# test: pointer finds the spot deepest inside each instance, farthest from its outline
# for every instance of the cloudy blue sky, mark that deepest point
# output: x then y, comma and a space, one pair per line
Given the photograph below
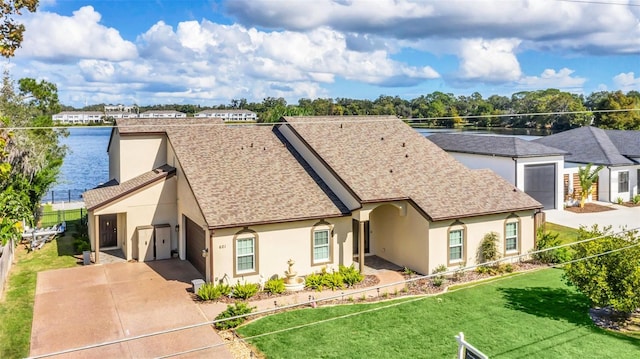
209, 52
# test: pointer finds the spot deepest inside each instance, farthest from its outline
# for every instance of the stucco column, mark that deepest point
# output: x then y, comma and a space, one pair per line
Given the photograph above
96, 234
361, 246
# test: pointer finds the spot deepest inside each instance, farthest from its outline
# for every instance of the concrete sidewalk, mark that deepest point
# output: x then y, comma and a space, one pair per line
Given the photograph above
618, 218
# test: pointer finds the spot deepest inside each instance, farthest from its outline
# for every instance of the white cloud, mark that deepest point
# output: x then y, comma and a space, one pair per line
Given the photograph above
57, 38
550, 24
627, 81
561, 79
489, 60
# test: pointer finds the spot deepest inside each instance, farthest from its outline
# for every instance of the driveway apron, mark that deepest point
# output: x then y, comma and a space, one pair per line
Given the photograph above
84, 306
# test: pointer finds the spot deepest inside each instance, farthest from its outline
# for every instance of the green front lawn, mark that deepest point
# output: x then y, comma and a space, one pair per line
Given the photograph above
565, 234
16, 309
533, 315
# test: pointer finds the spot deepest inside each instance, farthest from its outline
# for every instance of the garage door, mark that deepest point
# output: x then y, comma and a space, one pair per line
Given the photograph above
195, 245
540, 183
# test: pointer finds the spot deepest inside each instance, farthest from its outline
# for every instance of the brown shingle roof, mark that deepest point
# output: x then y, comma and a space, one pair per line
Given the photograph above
382, 158
160, 125
246, 175
105, 194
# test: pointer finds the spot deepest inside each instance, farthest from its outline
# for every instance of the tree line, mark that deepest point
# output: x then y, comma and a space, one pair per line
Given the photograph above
541, 109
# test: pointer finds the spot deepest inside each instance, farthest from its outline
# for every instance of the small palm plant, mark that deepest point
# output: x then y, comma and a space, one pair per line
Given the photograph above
587, 177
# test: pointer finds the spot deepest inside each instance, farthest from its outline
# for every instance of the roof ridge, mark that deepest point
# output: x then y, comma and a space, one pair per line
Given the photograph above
600, 135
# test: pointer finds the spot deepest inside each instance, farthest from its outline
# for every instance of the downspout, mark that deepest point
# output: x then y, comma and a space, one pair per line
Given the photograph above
610, 184
210, 253
515, 160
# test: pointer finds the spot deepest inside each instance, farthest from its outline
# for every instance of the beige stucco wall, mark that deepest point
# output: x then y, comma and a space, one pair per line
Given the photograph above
140, 154
399, 234
277, 243
114, 155
152, 205
476, 228
186, 205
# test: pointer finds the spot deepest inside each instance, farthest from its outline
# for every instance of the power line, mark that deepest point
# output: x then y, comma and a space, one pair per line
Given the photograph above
340, 296
347, 119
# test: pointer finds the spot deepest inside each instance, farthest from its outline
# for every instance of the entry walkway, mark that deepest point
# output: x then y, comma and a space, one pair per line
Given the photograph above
618, 218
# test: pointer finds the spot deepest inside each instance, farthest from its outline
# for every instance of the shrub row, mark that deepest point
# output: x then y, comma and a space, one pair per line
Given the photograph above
344, 277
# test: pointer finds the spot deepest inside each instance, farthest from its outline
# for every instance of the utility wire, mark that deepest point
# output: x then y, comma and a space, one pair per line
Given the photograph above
340, 296
343, 119
318, 322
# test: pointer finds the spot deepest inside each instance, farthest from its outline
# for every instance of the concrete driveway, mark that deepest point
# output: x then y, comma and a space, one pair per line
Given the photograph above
618, 218
82, 306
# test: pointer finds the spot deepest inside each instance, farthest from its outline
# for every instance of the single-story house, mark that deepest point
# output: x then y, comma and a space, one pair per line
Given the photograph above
239, 201
533, 168
617, 150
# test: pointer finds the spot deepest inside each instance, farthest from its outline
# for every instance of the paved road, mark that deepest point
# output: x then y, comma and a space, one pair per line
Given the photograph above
618, 218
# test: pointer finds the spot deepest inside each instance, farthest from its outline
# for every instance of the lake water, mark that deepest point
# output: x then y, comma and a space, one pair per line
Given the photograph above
85, 166
87, 163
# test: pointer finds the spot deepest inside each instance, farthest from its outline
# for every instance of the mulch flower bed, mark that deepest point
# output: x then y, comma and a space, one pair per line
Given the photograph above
590, 208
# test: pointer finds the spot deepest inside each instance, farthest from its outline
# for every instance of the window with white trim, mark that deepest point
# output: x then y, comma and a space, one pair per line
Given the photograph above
245, 255
511, 237
623, 182
321, 246
456, 243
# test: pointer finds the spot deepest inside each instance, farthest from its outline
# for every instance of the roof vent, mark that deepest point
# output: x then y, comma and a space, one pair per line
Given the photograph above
402, 144
406, 156
242, 147
381, 138
391, 171
340, 125
251, 144
264, 148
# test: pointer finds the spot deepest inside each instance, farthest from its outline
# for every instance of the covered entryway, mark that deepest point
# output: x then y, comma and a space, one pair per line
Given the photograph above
195, 244
540, 183
108, 230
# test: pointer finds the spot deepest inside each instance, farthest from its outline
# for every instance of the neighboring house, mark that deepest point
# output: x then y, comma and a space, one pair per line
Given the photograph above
112, 115
240, 201
534, 168
229, 115
162, 114
618, 151
78, 117
121, 108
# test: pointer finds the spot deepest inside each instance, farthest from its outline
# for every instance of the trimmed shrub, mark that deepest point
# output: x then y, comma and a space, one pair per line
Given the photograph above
333, 280
244, 291
439, 279
488, 251
350, 275
314, 281
237, 309
274, 286
636, 199
211, 291
547, 240
81, 244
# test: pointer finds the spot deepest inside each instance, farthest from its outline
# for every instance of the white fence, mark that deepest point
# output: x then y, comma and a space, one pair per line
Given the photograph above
468, 351
5, 264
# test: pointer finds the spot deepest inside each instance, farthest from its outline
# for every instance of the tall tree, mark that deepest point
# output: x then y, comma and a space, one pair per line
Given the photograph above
12, 32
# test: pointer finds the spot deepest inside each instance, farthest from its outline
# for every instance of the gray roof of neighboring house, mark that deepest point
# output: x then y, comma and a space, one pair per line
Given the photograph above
247, 175
626, 141
382, 159
590, 145
505, 146
111, 190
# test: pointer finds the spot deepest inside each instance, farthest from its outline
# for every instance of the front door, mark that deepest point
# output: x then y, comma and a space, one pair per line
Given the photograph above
108, 230
356, 237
